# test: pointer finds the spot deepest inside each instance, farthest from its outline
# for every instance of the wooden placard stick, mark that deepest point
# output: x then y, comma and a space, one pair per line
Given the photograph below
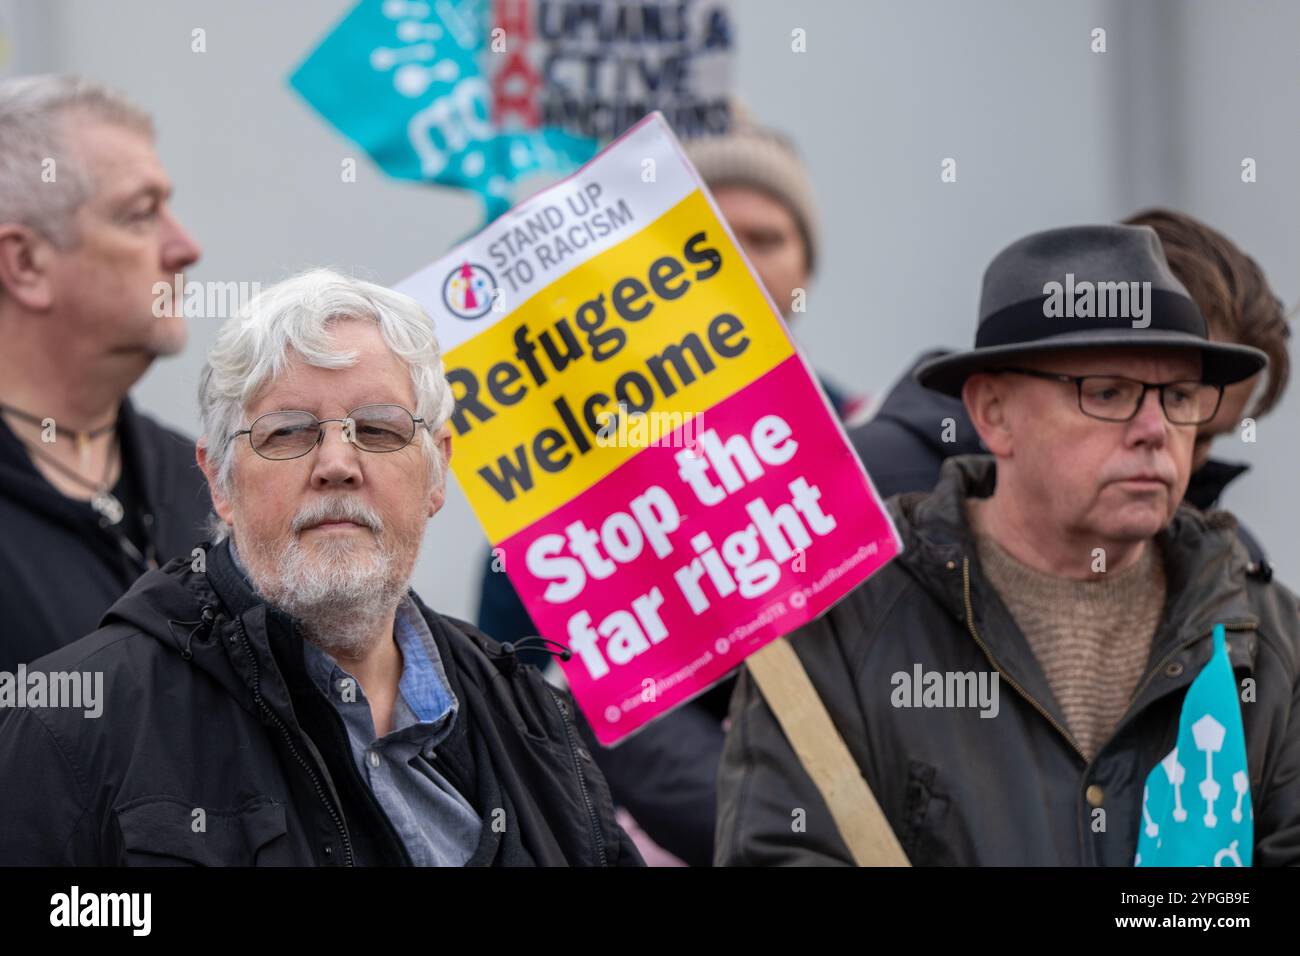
819, 746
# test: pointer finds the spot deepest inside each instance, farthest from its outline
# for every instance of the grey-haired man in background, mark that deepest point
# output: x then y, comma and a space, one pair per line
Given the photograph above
92, 493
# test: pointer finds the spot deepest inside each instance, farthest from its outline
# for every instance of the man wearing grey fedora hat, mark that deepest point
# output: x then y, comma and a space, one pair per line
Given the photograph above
1060, 577
914, 428
1087, 287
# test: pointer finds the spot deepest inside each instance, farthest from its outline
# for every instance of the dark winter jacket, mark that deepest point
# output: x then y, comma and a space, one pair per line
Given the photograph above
209, 707
60, 566
1013, 789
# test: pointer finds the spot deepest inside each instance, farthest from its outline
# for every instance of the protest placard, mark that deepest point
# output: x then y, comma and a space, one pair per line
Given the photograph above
665, 483
483, 94
594, 69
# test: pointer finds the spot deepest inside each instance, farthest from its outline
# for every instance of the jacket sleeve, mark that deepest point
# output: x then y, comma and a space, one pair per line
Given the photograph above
769, 811
1277, 804
44, 820
1277, 809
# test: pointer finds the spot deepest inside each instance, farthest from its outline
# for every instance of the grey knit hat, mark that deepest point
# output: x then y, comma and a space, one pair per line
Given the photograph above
751, 155
1086, 287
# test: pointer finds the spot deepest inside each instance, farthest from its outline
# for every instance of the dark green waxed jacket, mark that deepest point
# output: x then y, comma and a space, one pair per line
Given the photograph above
1015, 789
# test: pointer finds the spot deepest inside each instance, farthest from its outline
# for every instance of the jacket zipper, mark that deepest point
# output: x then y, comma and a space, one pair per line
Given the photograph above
970, 625
293, 747
582, 779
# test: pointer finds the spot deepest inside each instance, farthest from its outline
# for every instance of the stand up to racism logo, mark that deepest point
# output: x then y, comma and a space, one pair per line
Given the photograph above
469, 291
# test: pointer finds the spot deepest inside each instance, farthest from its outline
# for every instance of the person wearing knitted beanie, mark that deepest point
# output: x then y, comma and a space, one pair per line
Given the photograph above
753, 161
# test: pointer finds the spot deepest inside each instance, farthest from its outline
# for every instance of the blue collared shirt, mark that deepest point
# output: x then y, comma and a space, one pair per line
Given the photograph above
435, 822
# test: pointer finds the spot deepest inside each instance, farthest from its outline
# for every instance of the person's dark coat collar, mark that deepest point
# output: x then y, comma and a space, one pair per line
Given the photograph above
1206, 485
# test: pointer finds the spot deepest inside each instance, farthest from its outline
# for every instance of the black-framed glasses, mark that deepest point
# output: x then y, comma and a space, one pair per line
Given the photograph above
1115, 398
292, 433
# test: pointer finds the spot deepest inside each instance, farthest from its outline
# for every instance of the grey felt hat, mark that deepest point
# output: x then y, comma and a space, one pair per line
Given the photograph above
1086, 287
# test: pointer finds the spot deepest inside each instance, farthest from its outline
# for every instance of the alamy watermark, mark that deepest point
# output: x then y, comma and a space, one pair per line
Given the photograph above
80, 690
75, 908
625, 429
1098, 300
202, 300
949, 689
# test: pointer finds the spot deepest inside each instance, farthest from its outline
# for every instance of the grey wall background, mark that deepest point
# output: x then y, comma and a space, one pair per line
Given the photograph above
1044, 132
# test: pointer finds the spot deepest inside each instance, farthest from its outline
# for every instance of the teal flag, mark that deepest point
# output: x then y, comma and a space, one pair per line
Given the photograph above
405, 80
1196, 807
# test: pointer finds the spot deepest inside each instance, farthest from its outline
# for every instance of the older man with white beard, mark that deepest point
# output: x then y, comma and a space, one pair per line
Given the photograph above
285, 684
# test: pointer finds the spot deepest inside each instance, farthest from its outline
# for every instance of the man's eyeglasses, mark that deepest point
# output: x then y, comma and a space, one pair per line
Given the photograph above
1114, 398
291, 434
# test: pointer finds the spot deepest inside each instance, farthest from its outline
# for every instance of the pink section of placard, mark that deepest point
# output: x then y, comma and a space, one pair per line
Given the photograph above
641, 653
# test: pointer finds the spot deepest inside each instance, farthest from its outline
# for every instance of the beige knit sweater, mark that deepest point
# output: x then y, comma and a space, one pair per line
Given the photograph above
1092, 638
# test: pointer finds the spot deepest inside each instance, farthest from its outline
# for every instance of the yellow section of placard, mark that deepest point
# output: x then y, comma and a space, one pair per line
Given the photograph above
668, 322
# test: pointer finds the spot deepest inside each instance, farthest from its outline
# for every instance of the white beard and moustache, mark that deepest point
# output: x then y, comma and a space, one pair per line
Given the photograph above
338, 588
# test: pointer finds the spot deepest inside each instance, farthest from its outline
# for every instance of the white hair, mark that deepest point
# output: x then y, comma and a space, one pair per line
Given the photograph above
252, 350
35, 117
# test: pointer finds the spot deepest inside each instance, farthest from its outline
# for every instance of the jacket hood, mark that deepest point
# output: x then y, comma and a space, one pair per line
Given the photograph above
1205, 563
211, 618
173, 593
922, 411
